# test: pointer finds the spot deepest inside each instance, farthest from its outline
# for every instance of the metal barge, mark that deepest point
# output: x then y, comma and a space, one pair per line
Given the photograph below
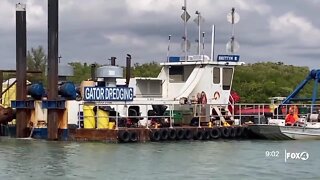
194, 90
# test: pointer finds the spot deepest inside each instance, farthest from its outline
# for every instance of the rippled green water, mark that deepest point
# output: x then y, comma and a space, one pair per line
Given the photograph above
34, 159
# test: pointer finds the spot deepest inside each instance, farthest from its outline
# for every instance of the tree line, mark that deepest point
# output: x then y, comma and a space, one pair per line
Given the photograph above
255, 83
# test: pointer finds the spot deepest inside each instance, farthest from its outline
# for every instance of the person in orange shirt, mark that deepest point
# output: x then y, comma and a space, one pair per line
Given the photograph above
291, 118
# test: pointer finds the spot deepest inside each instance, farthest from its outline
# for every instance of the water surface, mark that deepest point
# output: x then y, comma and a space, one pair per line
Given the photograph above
37, 159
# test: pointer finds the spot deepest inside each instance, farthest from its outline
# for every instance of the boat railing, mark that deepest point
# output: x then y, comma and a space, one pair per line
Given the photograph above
201, 114
118, 117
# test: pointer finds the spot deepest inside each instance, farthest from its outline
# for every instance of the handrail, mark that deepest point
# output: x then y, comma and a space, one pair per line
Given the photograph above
13, 83
7, 89
260, 110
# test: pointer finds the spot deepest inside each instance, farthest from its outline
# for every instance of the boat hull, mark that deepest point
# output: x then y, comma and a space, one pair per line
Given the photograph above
274, 132
300, 133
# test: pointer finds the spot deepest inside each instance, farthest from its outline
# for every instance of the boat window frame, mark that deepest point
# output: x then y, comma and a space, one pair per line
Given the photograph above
179, 73
227, 78
216, 75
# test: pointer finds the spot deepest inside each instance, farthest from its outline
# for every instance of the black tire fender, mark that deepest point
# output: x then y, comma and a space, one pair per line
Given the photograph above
172, 134
233, 132
155, 135
239, 131
206, 134
245, 132
164, 134
133, 136
215, 133
198, 135
188, 134
225, 132
180, 134
124, 136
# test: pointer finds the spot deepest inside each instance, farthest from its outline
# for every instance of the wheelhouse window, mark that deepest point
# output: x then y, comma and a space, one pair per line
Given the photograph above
227, 78
176, 73
216, 75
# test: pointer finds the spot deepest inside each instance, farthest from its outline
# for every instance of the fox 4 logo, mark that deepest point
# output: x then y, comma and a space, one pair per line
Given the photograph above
297, 156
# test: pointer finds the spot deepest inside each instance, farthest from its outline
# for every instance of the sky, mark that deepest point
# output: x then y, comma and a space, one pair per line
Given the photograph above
92, 31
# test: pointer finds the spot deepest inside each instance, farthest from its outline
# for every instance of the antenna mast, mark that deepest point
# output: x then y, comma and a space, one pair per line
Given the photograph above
168, 51
212, 42
199, 29
233, 17
232, 33
202, 46
185, 17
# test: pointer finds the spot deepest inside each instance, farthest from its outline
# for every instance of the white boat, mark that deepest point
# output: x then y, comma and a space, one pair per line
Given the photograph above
299, 133
306, 128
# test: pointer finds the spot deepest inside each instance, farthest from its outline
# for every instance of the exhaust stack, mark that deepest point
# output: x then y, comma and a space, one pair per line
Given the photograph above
93, 72
128, 70
113, 61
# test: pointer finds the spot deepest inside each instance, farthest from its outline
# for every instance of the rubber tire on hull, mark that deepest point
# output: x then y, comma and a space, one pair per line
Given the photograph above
124, 136
164, 134
206, 134
225, 132
155, 135
233, 132
198, 135
133, 136
172, 134
215, 133
239, 131
180, 134
188, 134
245, 132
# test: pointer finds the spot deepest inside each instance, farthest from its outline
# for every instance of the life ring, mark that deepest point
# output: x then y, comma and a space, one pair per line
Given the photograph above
216, 95
180, 134
188, 134
164, 134
133, 136
124, 136
172, 134
215, 133
155, 135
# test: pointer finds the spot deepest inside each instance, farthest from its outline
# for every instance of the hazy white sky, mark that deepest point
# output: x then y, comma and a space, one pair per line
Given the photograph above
92, 31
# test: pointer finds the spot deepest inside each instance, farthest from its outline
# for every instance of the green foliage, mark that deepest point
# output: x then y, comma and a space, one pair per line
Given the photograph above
151, 69
81, 72
36, 61
257, 82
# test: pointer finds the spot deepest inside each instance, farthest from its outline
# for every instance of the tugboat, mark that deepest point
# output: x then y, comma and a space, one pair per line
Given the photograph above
190, 91
189, 97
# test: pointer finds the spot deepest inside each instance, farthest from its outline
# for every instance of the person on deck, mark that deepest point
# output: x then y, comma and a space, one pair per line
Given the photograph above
291, 118
199, 98
203, 97
203, 106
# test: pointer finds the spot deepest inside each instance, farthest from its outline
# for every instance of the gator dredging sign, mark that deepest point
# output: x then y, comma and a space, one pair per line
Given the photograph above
108, 94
